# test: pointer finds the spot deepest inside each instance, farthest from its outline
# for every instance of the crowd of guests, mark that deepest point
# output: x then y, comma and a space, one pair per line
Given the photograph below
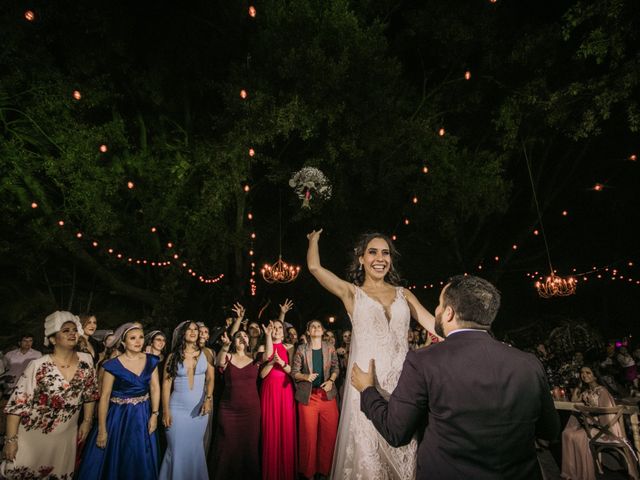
246, 400
596, 379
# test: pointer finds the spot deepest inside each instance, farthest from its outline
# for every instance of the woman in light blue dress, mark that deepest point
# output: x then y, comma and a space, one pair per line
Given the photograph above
186, 409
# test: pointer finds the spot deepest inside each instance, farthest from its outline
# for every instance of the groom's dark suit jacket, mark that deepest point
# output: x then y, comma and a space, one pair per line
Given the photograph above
483, 402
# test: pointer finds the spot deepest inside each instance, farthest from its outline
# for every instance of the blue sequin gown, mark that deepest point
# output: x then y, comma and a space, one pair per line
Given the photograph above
185, 457
131, 453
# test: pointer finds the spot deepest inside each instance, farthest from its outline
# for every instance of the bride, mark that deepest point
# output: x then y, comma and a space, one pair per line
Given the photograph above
380, 312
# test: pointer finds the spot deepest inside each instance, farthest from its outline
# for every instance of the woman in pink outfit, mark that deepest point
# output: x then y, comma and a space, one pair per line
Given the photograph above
279, 441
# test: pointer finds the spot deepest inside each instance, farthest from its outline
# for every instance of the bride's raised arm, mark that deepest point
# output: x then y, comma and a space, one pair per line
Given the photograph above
334, 284
423, 316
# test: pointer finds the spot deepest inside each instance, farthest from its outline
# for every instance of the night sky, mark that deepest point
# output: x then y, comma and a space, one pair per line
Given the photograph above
371, 93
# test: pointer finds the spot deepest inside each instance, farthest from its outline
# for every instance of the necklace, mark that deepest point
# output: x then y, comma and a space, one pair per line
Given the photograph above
58, 363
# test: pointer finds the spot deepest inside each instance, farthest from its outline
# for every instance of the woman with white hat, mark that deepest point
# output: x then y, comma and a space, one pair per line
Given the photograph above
42, 413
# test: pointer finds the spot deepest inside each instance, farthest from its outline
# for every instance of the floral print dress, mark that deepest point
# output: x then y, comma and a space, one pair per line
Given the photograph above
49, 407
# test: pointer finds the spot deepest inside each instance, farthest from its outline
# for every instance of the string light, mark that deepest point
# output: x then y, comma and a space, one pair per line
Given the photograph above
252, 152
252, 11
243, 94
250, 216
565, 213
425, 169
467, 75
34, 205
536, 232
130, 260
441, 132
246, 187
77, 95
406, 221
29, 15
633, 157
103, 148
415, 200
130, 185
598, 187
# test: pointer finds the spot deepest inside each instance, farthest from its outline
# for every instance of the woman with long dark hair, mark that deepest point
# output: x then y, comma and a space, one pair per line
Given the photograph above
380, 311
187, 401
86, 342
577, 461
237, 441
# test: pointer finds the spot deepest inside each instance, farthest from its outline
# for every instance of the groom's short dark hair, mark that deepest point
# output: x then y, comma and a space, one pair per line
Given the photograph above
473, 299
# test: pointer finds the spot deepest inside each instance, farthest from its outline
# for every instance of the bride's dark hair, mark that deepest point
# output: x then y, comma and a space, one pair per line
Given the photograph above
355, 273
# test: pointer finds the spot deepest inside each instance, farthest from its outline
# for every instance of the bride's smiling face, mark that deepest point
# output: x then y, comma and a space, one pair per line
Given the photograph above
376, 260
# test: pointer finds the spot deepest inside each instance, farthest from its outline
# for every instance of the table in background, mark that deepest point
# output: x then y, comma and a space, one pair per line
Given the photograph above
628, 409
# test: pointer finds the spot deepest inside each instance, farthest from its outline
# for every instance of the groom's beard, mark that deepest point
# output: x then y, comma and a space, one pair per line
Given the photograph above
438, 326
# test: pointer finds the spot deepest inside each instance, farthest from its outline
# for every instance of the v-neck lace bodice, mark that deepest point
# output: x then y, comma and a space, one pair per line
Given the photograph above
361, 452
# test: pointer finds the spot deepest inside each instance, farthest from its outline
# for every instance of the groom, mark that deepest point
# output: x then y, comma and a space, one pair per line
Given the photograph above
484, 402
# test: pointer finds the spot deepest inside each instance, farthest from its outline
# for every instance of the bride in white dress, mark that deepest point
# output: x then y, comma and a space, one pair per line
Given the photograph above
380, 312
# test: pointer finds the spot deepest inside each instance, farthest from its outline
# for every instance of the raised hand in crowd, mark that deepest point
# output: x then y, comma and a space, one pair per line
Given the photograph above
239, 310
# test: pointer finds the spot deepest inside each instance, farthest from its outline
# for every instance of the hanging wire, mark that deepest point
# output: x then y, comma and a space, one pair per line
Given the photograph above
535, 199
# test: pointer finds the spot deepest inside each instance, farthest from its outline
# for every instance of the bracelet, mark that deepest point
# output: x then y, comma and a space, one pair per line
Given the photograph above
208, 397
9, 440
156, 413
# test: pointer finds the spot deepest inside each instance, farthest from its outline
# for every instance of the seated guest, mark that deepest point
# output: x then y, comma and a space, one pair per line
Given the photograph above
577, 462
628, 364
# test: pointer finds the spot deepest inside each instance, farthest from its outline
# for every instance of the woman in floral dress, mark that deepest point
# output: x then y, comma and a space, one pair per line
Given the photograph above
42, 412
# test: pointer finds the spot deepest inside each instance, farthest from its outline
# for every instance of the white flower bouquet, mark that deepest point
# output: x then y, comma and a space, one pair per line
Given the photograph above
310, 183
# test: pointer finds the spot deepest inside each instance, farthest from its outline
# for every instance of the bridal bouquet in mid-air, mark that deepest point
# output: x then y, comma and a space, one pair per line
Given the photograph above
310, 184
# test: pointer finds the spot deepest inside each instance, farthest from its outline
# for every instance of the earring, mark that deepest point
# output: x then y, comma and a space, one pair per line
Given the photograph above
360, 268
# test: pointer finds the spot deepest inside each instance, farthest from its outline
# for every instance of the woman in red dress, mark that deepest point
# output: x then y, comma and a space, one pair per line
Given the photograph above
279, 441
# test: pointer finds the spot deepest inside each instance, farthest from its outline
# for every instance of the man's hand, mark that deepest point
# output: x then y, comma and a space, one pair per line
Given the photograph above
362, 380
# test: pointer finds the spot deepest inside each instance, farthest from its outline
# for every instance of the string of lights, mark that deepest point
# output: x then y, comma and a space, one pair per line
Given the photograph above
173, 257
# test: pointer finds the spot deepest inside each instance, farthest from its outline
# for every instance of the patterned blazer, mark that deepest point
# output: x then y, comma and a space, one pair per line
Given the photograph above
303, 363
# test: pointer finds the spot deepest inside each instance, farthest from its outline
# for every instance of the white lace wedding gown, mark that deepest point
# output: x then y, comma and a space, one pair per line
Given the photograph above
361, 452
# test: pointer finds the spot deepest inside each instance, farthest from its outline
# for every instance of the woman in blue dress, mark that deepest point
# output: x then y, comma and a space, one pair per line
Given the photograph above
189, 373
123, 444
